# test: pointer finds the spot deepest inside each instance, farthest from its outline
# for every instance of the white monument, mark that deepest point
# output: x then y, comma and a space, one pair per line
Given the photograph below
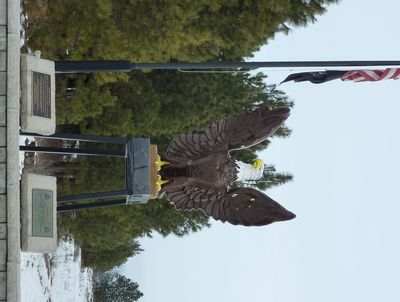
38, 213
38, 112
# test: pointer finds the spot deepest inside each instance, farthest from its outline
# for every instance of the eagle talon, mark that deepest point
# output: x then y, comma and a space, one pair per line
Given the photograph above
160, 163
160, 182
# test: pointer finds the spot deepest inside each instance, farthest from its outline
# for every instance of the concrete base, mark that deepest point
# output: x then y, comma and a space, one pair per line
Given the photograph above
43, 121
38, 213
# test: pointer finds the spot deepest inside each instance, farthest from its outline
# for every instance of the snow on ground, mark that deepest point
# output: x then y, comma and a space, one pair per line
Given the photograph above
55, 277
23, 141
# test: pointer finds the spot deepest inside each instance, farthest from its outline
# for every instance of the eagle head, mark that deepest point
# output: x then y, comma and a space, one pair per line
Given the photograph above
249, 172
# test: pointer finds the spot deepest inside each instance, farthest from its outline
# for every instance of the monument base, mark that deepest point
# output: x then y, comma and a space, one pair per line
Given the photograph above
38, 213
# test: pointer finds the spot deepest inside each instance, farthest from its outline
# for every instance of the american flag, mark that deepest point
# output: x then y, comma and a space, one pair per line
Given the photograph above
361, 75
371, 75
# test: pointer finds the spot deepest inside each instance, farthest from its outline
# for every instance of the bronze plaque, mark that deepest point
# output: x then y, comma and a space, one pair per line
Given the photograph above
42, 213
41, 94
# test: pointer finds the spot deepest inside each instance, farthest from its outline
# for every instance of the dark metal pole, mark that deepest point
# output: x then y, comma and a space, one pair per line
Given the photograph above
81, 137
126, 66
253, 65
92, 66
69, 198
72, 151
82, 206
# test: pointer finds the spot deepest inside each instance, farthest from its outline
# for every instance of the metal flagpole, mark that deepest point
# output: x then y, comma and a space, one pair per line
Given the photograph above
126, 66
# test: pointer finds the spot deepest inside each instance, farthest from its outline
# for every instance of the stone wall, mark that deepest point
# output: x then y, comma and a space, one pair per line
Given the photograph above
3, 150
9, 145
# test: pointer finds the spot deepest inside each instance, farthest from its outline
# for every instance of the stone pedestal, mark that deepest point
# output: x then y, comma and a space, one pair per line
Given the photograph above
38, 213
38, 112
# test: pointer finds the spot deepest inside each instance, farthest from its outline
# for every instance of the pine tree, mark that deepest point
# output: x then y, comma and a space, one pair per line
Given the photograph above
113, 287
269, 179
164, 30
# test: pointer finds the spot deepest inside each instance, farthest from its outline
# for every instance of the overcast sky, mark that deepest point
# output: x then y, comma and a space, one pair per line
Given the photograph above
344, 154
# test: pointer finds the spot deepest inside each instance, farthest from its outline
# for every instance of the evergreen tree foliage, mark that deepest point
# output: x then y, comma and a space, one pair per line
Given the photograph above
90, 100
270, 178
113, 287
164, 103
108, 257
165, 30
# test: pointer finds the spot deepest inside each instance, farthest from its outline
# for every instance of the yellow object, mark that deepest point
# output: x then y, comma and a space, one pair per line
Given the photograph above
258, 164
160, 182
160, 163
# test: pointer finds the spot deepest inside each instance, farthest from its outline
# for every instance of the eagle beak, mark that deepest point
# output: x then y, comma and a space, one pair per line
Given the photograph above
258, 164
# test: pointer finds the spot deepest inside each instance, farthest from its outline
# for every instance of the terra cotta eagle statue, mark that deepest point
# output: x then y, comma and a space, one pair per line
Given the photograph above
200, 172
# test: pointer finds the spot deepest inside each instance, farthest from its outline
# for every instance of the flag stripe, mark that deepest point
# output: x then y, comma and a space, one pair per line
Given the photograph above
371, 75
397, 74
390, 73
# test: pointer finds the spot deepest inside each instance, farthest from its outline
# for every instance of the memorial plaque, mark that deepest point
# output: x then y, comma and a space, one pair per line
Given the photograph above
38, 107
42, 213
41, 94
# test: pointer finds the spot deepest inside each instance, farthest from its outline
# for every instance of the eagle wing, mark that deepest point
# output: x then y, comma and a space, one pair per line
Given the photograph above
238, 132
244, 206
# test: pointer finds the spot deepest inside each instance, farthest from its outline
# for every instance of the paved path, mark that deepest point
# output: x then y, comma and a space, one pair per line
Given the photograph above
9, 131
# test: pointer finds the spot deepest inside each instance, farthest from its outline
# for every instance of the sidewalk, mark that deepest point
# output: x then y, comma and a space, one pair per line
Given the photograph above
9, 145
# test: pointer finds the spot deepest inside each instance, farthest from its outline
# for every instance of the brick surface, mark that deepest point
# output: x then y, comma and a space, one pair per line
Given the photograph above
3, 230
3, 110
3, 154
3, 83
3, 136
3, 12
3, 255
3, 60
3, 87
3, 208
3, 38
3, 286
3, 187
